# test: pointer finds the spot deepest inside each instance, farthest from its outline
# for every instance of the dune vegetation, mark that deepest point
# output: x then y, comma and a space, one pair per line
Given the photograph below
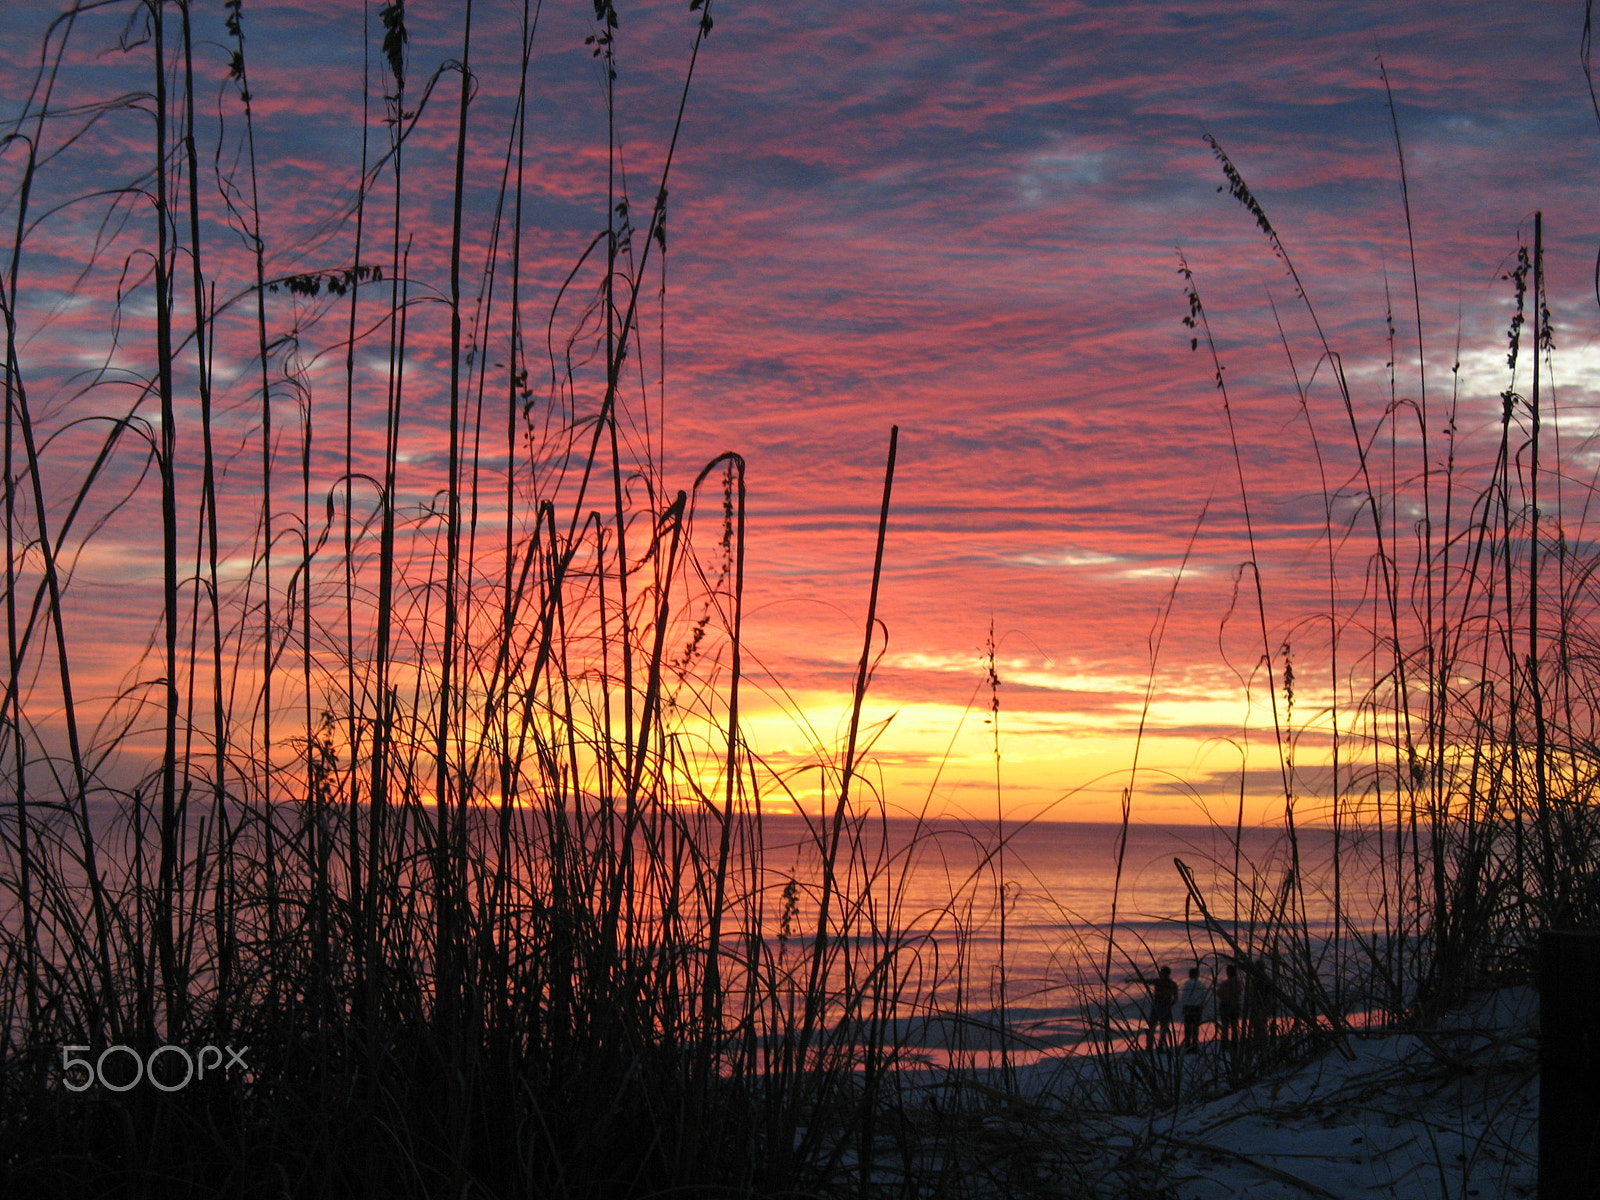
426, 792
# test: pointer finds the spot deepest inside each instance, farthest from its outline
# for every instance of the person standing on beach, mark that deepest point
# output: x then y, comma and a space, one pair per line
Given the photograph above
1194, 1008
1163, 995
1230, 1002
1259, 1003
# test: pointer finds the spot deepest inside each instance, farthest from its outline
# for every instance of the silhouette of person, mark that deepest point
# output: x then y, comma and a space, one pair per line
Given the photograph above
1163, 995
1193, 1001
1230, 1002
1260, 1005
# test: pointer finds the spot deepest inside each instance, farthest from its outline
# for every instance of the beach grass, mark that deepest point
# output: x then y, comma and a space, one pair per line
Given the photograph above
429, 796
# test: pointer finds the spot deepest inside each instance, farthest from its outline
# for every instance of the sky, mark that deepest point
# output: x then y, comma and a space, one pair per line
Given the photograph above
963, 220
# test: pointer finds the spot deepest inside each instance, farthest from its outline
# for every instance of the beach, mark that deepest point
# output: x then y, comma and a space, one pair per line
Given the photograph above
1450, 1111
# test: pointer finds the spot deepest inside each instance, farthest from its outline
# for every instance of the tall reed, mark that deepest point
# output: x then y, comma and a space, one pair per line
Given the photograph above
430, 787
1462, 787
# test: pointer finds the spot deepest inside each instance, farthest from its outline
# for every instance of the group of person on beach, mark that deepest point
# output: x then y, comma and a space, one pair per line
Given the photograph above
1191, 1000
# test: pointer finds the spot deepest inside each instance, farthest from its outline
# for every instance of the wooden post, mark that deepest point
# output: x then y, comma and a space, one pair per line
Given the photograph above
1569, 1065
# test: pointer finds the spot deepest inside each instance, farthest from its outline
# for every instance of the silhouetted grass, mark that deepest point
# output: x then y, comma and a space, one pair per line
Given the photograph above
430, 788
450, 820
1457, 696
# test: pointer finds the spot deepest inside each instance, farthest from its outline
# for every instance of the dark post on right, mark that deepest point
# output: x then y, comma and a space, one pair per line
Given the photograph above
1569, 1065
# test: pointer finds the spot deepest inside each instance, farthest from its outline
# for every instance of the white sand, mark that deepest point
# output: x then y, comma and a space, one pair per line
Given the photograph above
1449, 1114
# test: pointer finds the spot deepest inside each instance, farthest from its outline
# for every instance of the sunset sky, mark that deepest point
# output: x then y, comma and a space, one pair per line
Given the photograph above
964, 220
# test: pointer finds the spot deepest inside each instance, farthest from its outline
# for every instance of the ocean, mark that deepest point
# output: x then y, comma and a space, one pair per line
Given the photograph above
1078, 940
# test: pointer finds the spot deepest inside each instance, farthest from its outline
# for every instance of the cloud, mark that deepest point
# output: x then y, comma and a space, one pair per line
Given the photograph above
960, 221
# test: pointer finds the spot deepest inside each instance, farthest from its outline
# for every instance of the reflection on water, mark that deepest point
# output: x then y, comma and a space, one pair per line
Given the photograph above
921, 906
1065, 961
